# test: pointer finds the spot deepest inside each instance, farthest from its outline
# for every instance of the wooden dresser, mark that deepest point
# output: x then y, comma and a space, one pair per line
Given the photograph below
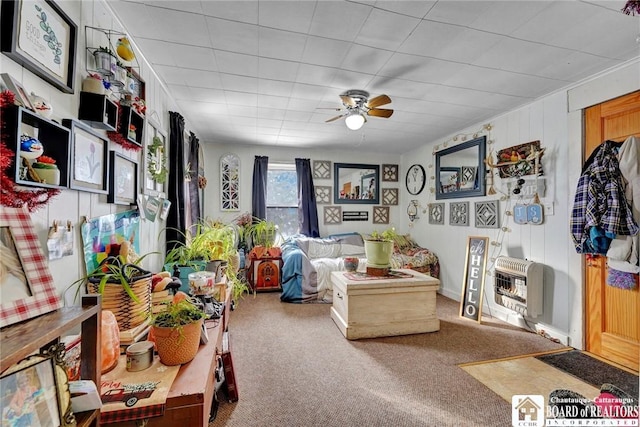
192, 392
380, 307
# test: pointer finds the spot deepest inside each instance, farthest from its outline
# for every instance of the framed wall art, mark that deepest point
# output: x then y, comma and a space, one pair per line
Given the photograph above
323, 194
332, 215
322, 169
123, 180
89, 158
27, 289
21, 94
230, 182
38, 35
38, 385
390, 173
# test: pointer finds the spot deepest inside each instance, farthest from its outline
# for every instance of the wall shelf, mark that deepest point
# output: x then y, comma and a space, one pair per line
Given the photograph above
129, 116
98, 111
54, 138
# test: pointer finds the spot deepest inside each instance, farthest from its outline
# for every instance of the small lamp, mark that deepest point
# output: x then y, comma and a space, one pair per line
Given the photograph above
354, 121
412, 210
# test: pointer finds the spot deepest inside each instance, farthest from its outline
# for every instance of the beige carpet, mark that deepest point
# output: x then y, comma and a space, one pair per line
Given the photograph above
525, 375
294, 368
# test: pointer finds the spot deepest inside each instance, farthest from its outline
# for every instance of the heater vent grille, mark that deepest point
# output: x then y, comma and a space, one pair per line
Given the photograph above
518, 285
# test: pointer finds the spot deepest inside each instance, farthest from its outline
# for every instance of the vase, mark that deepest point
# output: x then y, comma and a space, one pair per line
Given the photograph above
105, 63
378, 253
351, 264
177, 345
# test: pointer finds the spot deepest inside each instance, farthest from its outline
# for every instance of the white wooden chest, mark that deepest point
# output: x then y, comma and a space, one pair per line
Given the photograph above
384, 307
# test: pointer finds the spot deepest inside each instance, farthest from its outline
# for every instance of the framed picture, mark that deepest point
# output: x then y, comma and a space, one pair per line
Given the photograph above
35, 391
21, 94
89, 158
123, 180
38, 35
27, 289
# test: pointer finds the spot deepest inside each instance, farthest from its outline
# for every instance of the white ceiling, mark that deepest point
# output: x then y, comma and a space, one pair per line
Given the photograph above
269, 72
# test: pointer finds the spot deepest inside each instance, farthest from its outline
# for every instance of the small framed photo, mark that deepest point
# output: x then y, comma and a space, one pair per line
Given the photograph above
164, 212
123, 180
89, 158
14, 86
35, 391
27, 289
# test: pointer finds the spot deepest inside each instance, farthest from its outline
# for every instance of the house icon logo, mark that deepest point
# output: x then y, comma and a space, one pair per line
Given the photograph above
527, 410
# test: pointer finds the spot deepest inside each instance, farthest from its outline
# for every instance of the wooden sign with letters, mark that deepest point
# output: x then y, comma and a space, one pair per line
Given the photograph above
474, 274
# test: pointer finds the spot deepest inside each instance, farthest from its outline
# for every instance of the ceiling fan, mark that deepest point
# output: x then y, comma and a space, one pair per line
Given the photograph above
357, 104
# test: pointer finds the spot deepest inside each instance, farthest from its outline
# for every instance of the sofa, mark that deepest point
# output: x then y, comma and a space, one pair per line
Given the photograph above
308, 263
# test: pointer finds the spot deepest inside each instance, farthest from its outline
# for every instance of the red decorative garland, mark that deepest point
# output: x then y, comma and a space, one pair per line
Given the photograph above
12, 195
631, 8
117, 136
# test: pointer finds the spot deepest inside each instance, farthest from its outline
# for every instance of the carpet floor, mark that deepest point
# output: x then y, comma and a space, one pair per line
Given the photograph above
293, 367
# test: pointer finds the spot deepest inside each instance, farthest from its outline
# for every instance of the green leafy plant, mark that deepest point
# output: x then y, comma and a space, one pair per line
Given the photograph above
207, 241
157, 161
261, 232
387, 235
105, 50
116, 270
178, 314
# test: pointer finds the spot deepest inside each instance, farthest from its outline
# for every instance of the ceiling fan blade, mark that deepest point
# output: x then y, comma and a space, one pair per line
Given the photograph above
380, 112
335, 118
378, 101
347, 100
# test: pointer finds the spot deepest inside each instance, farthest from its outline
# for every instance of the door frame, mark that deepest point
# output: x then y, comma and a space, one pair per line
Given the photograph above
612, 84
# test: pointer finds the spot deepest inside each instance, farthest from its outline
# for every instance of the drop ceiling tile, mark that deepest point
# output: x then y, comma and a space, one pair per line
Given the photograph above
344, 80
498, 81
171, 75
324, 51
232, 36
418, 68
238, 11
315, 74
278, 44
277, 69
287, 15
301, 104
201, 78
575, 66
460, 13
242, 111
297, 116
180, 92
429, 38
208, 95
366, 58
134, 17
274, 87
239, 83
182, 5
521, 56
306, 91
270, 113
156, 52
193, 57
241, 98
269, 123
385, 30
338, 20
237, 63
505, 17
400, 87
417, 9
269, 101
186, 28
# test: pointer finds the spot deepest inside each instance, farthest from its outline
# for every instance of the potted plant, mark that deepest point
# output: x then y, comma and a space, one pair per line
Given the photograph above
125, 288
378, 248
176, 330
261, 233
105, 61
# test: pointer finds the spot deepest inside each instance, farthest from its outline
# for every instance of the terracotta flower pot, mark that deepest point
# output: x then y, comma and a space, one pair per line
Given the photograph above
177, 346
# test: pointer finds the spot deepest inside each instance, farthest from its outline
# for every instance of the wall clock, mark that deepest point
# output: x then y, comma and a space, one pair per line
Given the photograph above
416, 179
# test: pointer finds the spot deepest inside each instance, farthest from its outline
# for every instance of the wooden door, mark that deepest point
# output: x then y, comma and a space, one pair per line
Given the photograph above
612, 315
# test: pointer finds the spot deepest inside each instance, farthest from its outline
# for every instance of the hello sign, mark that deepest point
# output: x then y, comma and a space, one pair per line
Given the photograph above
474, 274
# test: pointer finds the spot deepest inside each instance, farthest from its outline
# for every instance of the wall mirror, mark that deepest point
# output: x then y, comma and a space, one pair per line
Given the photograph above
460, 170
356, 183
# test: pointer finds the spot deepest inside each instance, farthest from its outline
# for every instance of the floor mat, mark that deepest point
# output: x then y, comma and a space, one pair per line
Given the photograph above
592, 371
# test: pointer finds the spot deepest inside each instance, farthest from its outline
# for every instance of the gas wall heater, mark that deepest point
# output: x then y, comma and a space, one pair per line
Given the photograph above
518, 285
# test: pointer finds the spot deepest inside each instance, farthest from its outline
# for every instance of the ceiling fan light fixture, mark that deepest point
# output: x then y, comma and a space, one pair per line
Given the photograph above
354, 121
